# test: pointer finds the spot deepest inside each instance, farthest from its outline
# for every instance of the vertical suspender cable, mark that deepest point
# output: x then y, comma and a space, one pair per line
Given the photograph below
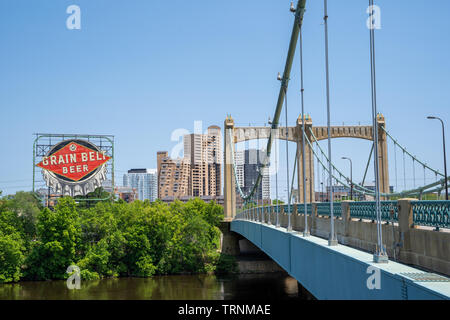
424, 176
289, 227
414, 173
276, 180
323, 179
395, 161
318, 169
380, 254
332, 240
302, 89
404, 171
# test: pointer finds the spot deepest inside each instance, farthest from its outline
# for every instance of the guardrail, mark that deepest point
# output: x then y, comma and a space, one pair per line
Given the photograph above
424, 213
431, 213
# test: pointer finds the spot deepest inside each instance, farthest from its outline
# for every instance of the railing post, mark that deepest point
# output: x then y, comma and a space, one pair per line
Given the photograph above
405, 222
346, 216
405, 214
294, 219
313, 217
278, 215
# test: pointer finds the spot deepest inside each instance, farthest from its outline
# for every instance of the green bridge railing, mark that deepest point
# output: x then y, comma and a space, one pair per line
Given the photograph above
425, 213
431, 213
366, 210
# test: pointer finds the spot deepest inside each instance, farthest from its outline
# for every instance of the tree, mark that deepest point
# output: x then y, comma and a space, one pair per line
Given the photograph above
99, 194
59, 234
11, 257
27, 207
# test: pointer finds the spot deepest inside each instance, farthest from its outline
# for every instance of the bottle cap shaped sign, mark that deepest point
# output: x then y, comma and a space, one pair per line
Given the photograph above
74, 167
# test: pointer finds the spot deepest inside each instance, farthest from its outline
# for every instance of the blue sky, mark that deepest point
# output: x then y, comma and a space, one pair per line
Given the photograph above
141, 69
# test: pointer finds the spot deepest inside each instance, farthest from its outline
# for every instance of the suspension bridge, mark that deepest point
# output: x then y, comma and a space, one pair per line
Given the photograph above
331, 247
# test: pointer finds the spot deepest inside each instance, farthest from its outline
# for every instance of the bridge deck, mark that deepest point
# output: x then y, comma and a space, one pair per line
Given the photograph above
339, 272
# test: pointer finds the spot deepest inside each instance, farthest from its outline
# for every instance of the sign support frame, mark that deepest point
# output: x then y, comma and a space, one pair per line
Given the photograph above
39, 149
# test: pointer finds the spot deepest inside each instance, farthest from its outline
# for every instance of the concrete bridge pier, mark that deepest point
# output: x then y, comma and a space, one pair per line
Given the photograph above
229, 242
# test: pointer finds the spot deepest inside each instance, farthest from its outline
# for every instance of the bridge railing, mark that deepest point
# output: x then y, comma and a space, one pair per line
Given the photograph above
366, 210
323, 209
423, 213
301, 208
431, 213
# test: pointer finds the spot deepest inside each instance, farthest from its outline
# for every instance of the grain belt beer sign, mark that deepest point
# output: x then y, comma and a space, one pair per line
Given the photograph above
74, 167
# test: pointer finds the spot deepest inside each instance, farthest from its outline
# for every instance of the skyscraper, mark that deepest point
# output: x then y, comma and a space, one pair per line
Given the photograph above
198, 173
145, 181
203, 151
247, 169
173, 176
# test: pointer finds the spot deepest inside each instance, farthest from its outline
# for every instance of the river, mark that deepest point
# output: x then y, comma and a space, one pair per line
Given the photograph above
174, 287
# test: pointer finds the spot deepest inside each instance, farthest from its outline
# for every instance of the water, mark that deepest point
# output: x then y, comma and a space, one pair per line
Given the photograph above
179, 287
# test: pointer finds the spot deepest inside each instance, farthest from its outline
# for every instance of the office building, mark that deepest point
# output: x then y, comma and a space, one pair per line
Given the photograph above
248, 164
145, 181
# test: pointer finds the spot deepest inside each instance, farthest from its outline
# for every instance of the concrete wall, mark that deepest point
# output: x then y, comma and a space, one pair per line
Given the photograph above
337, 272
404, 242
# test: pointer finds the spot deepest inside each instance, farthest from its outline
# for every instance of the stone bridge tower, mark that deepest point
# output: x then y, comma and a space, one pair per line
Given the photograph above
234, 135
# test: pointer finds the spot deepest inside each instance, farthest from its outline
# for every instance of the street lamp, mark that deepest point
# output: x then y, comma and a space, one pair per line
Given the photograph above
445, 158
351, 177
321, 194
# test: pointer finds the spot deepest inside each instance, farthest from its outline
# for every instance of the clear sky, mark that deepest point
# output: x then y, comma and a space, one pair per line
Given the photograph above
141, 69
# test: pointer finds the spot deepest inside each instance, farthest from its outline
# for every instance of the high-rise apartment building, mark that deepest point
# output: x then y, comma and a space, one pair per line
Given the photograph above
173, 176
204, 154
145, 181
198, 173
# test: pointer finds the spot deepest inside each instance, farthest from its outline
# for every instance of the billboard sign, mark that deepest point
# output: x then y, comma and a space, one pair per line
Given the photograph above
74, 167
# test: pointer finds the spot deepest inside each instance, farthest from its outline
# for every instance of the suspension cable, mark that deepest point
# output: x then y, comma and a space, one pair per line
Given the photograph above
299, 13
424, 176
302, 91
287, 160
293, 174
332, 239
404, 171
367, 166
409, 154
395, 161
276, 180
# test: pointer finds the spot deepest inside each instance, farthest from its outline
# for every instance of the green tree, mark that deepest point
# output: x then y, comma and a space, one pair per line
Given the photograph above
11, 257
99, 194
59, 234
26, 206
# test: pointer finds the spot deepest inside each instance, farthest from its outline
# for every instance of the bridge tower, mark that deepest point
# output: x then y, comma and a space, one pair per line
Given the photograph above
235, 135
229, 188
309, 161
383, 156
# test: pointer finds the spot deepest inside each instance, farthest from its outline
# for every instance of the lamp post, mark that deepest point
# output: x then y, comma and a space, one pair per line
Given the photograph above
351, 177
445, 157
321, 194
